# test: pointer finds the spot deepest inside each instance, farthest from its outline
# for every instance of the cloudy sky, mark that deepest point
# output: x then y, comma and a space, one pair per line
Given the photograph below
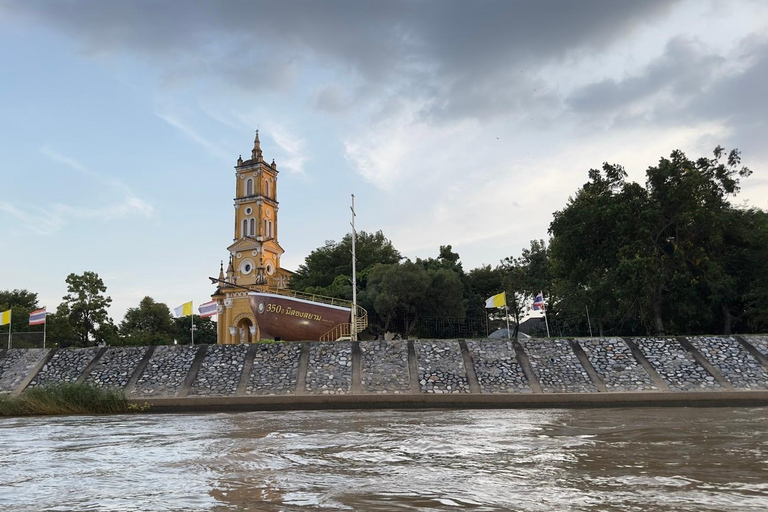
463, 123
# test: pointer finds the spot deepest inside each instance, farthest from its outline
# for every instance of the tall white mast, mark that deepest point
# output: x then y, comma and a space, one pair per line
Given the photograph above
353, 331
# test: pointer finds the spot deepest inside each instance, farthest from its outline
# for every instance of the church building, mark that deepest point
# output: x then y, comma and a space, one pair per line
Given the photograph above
254, 256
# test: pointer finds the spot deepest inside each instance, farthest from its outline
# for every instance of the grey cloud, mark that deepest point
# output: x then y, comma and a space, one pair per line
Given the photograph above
331, 99
683, 70
465, 52
740, 101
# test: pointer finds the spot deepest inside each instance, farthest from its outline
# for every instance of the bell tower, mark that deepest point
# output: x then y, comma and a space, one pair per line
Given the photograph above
255, 253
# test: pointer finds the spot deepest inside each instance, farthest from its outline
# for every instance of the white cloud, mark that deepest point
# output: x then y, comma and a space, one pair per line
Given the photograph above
51, 219
191, 134
293, 149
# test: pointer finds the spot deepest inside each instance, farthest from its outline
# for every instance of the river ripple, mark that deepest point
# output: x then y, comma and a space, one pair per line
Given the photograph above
538, 460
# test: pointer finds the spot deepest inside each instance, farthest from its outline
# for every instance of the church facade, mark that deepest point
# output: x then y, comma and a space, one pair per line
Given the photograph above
254, 255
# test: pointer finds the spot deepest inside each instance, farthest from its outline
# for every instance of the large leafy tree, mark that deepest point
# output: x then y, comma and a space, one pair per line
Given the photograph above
653, 257
85, 307
205, 330
398, 292
20, 302
150, 323
328, 269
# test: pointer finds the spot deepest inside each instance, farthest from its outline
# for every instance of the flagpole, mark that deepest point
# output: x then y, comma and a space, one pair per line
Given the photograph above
509, 336
543, 305
588, 321
192, 316
10, 327
45, 326
353, 330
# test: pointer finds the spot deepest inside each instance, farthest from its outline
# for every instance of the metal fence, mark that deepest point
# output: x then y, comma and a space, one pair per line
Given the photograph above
24, 340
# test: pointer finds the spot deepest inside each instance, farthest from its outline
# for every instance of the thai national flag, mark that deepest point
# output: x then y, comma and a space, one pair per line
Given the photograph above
37, 317
538, 302
207, 309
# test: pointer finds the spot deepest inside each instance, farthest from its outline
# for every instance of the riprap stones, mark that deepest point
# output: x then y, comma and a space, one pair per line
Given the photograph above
275, 369
556, 366
16, 365
759, 342
116, 366
220, 371
441, 367
617, 367
732, 360
166, 370
385, 366
496, 367
675, 365
330, 368
66, 365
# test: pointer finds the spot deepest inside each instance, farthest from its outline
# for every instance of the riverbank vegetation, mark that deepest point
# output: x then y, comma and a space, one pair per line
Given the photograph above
65, 398
672, 256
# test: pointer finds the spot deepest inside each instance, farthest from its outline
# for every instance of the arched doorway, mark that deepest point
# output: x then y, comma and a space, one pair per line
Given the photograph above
244, 330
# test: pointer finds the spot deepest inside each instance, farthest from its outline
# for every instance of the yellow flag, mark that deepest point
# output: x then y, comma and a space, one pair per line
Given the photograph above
184, 310
497, 301
5, 317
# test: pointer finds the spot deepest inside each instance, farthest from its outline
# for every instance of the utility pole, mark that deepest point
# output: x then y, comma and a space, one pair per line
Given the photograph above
353, 331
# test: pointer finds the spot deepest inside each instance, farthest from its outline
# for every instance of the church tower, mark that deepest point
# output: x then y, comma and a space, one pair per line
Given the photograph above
254, 256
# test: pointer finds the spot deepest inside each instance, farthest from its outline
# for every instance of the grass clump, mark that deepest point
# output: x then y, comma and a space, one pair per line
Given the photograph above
65, 398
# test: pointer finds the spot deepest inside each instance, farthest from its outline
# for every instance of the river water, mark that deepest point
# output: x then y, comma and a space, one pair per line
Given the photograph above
544, 460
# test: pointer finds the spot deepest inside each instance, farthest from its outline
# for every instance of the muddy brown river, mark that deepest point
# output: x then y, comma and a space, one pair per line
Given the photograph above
671, 459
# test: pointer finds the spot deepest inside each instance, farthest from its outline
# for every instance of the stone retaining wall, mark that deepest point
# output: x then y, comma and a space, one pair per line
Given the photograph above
497, 368
617, 367
330, 368
275, 369
557, 367
676, 365
220, 371
116, 366
759, 342
383, 368
441, 367
166, 371
16, 365
64, 366
732, 360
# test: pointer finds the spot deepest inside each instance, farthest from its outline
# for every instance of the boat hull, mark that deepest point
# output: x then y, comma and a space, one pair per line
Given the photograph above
291, 319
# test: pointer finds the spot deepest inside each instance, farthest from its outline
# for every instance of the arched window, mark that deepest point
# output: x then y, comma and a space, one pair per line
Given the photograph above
249, 187
253, 227
271, 229
266, 188
245, 227
265, 228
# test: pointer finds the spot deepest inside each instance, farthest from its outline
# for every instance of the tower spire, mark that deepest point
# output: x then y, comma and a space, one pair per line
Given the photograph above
230, 271
256, 153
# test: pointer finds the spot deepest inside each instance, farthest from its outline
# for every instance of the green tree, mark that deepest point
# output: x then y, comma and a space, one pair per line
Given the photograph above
652, 258
321, 269
482, 283
85, 305
150, 323
444, 294
205, 330
61, 332
20, 302
397, 292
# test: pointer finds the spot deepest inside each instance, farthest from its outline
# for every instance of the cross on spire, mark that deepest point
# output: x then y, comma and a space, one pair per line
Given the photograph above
256, 153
